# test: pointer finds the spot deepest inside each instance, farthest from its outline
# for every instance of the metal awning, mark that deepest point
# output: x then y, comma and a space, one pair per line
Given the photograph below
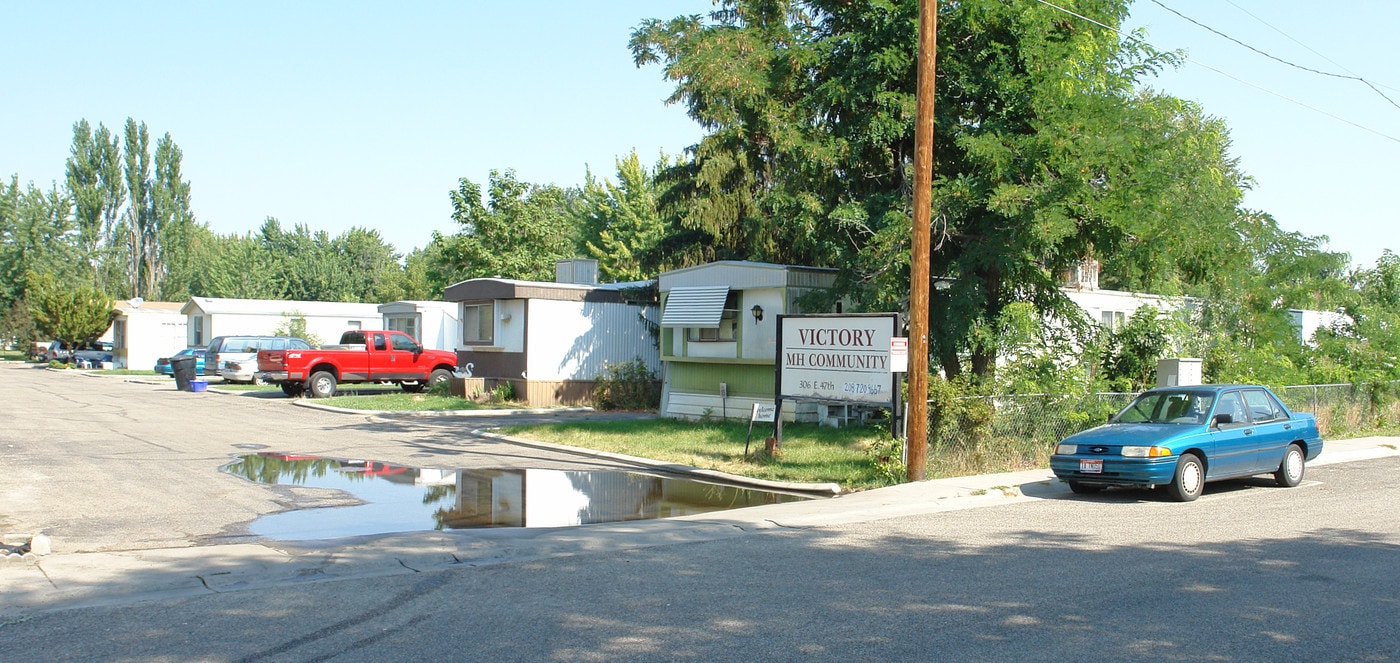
695, 306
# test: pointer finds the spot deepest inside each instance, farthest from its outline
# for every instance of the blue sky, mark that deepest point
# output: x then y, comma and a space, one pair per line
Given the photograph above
346, 114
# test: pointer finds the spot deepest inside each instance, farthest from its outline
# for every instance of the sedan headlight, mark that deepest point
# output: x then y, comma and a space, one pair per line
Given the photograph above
1146, 452
1067, 449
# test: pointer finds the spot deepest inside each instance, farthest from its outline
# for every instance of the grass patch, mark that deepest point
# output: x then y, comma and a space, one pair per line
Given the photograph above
395, 400
240, 386
13, 355
810, 454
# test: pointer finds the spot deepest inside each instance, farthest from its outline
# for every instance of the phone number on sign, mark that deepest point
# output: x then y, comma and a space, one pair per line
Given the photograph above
861, 389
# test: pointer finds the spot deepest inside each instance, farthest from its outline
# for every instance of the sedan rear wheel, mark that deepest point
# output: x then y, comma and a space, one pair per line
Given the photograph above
1190, 479
1290, 471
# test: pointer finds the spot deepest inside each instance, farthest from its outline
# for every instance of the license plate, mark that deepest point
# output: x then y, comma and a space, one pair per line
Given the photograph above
1089, 466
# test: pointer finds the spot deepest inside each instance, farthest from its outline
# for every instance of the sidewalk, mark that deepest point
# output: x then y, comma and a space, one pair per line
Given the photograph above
72, 580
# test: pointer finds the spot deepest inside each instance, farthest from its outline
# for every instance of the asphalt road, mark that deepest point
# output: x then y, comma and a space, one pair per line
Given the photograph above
1249, 572
103, 463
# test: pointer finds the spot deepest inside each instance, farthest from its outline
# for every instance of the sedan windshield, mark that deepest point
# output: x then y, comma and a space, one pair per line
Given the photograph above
1167, 407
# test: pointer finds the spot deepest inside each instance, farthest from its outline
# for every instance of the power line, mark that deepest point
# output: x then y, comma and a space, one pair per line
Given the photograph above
1228, 75
1276, 58
1343, 67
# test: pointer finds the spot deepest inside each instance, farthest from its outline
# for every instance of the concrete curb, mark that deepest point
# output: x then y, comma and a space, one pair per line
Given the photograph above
400, 414
825, 489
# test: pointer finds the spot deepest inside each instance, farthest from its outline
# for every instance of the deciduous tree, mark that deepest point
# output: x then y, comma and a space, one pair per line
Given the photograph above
74, 314
519, 232
620, 224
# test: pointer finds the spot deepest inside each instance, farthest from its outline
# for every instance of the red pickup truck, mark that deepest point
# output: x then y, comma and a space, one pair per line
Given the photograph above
361, 356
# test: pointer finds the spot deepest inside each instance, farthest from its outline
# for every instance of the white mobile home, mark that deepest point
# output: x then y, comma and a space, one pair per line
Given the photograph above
551, 341
434, 325
325, 321
143, 332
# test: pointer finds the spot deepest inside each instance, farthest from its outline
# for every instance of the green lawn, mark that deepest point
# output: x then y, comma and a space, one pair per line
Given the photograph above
810, 454
392, 398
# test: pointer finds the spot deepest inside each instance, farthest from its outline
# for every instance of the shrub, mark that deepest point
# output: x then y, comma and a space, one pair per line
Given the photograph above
627, 386
503, 392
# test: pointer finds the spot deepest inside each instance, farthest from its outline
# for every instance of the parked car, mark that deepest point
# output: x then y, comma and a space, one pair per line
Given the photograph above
163, 364
1181, 437
92, 354
57, 351
236, 357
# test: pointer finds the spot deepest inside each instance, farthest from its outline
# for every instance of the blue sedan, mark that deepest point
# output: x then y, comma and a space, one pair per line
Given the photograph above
1182, 437
163, 364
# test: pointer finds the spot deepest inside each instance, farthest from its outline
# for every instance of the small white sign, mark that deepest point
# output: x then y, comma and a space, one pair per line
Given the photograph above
764, 412
899, 354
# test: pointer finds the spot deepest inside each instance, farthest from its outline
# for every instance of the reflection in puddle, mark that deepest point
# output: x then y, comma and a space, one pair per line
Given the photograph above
401, 499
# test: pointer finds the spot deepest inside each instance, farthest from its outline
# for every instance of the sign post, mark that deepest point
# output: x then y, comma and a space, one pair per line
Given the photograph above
766, 412
899, 363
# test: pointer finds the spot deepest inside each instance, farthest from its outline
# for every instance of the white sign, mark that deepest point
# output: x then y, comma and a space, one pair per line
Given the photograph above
899, 355
836, 358
764, 412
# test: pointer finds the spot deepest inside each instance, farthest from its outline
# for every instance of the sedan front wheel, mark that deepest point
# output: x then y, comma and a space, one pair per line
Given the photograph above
1190, 479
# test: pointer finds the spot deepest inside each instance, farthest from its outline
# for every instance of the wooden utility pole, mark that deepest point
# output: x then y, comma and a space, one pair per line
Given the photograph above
917, 441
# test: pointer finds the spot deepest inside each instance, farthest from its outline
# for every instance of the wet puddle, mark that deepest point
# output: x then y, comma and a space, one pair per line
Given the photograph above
397, 498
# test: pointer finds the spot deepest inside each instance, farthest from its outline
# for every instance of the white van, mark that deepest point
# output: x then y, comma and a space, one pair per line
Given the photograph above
237, 356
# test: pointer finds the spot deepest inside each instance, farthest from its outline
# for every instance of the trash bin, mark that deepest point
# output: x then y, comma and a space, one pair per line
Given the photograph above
184, 368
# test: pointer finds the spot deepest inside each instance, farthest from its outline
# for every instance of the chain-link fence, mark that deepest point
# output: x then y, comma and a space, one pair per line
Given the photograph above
1342, 408
1035, 422
1028, 418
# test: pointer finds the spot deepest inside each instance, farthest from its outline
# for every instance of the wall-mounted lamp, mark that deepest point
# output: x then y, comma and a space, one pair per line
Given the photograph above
757, 312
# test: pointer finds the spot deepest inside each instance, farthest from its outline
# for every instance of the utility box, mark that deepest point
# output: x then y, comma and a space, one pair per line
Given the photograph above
1178, 372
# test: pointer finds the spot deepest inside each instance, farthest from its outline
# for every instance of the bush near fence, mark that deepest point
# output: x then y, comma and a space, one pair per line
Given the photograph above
976, 434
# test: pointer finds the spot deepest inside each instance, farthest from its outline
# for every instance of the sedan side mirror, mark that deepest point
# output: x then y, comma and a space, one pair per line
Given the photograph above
1223, 418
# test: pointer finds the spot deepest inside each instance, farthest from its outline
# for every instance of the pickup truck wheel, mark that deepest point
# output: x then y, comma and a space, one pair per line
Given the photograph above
321, 384
439, 376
